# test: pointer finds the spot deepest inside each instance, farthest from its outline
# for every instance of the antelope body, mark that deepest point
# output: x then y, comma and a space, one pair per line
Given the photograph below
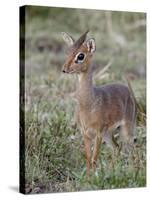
100, 110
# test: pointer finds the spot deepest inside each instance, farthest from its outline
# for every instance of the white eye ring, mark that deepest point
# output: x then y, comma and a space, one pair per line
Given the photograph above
76, 57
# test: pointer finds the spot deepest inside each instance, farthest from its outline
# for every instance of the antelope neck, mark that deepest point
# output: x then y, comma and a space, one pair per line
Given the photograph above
85, 88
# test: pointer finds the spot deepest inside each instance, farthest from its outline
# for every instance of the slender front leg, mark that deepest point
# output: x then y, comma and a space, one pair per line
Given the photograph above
97, 142
87, 143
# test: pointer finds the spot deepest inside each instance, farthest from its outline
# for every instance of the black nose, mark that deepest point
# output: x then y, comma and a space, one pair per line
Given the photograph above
63, 71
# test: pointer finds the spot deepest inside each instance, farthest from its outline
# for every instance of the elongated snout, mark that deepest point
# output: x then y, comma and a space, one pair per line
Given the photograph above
64, 69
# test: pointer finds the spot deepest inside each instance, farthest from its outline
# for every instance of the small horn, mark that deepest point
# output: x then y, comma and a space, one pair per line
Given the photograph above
80, 41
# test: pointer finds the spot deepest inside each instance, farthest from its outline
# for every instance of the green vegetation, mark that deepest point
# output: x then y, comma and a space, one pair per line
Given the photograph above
54, 150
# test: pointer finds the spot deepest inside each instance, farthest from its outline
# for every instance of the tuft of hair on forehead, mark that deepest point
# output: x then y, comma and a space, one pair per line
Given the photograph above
80, 41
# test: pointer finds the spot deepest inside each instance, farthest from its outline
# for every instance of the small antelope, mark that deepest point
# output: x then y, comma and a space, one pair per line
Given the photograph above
100, 110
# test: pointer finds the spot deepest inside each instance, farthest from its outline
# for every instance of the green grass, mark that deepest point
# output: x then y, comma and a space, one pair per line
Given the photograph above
55, 159
54, 150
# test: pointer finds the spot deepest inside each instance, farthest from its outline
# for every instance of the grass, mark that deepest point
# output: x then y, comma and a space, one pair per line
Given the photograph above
55, 160
54, 150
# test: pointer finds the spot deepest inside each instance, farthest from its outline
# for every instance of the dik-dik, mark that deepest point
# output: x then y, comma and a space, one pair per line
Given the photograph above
100, 110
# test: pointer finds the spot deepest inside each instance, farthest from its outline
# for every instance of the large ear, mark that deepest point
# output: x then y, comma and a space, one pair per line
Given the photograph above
91, 45
67, 38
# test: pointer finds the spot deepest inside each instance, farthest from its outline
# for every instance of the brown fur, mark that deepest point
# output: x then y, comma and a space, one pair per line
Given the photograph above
100, 110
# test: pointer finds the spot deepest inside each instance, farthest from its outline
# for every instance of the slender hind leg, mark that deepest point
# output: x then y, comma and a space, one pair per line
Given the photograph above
109, 138
126, 136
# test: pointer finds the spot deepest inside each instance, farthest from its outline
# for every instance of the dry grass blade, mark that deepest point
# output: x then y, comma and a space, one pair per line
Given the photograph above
103, 70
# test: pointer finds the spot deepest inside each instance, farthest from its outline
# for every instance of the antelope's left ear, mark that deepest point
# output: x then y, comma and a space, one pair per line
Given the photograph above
67, 38
91, 45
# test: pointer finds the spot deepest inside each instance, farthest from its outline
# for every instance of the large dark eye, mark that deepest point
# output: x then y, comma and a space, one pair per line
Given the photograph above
80, 57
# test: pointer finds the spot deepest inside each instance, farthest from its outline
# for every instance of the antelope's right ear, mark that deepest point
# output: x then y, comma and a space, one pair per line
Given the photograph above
91, 45
67, 38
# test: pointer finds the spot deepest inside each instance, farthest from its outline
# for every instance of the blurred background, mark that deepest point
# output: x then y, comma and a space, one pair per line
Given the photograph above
54, 152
